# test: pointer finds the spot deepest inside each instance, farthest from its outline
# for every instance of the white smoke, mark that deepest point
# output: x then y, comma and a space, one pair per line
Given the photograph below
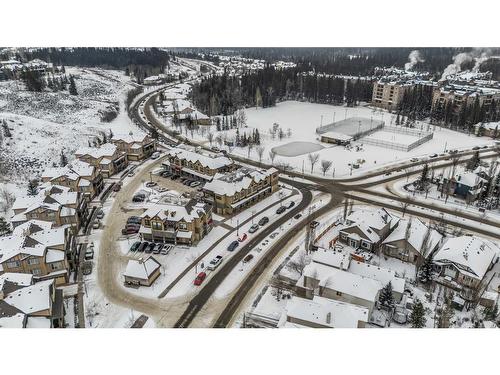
413, 59
481, 59
456, 66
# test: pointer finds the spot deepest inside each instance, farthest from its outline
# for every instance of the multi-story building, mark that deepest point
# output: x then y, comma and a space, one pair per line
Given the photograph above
196, 164
136, 146
53, 203
239, 189
78, 176
108, 158
38, 248
183, 222
25, 304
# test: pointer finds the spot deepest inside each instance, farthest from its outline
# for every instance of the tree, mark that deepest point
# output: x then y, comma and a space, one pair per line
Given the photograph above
63, 160
7, 199
154, 133
298, 264
386, 299
425, 271
249, 149
210, 138
33, 187
72, 86
4, 226
491, 313
272, 156
417, 316
473, 162
260, 152
446, 314
326, 165
6, 130
313, 159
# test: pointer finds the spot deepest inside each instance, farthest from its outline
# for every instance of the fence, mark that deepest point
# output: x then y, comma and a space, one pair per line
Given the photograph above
394, 145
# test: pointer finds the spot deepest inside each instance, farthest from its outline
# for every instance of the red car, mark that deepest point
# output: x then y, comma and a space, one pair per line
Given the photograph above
199, 279
243, 238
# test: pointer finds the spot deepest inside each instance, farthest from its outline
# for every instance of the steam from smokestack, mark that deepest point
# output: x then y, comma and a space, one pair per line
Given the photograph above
413, 59
456, 66
481, 59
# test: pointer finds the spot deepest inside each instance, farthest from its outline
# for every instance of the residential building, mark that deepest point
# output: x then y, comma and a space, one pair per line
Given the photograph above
79, 176
197, 165
366, 229
107, 158
136, 146
142, 271
38, 248
463, 263
322, 312
25, 304
467, 185
411, 241
183, 222
53, 203
488, 129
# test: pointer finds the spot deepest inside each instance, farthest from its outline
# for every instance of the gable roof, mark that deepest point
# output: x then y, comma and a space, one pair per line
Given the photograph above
140, 269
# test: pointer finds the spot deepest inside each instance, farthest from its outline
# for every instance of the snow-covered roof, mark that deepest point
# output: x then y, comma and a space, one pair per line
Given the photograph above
136, 137
106, 150
337, 135
176, 212
212, 161
384, 275
376, 219
38, 322
326, 312
15, 279
33, 298
417, 234
141, 269
470, 254
468, 179
238, 180
72, 171
14, 321
332, 258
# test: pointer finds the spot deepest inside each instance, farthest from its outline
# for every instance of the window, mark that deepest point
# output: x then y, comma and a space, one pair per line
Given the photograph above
365, 245
156, 225
36, 272
32, 261
339, 293
14, 264
55, 266
183, 226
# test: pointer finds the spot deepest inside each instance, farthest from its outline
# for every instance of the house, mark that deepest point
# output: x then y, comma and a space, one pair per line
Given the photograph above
332, 283
343, 260
467, 185
183, 222
136, 146
197, 165
37, 248
463, 263
411, 241
142, 272
193, 116
234, 191
488, 129
366, 229
54, 203
108, 158
78, 176
25, 304
322, 312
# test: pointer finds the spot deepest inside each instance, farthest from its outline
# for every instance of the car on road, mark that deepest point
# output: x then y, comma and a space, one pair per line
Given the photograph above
476, 148
254, 228
433, 156
131, 174
96, 224
117, 187
263, 221
273, 235
413, 160
135, 246
214, 263
155, 155
89, 253
215, 149
233, 245
314, 224
243, 237
199, 279
195, 183
298, 216
151, 184
291, 204
248, 258
99, 213
280, 210
143, 246
484, 146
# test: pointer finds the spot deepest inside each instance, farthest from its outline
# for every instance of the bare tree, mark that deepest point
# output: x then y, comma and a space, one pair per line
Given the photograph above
218, 140
325, 166
298, 264
260, 152
272, 156
210, 137
404, 205
6, 200
249, 149
313, 159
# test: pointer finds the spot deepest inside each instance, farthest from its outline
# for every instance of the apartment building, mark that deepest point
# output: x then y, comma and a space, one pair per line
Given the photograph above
388, 95
40, 249
183, 222
136, 146
108, 158
234, 191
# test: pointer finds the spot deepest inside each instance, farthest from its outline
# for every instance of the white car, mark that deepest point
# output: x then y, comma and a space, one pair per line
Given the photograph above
214, 263
155, 155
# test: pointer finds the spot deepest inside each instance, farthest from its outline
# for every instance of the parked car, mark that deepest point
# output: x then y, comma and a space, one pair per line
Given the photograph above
151, 184
298, 216
273, 235
149, 248
291, 204
89, 254
248, 258
254, 228
157, 248
166, 249
187, 182
243, 237
195, 183
134, 220
96, 224
263, 221
475, 148
131, 174
143, 246
214, 263
175, 177
133, 226
155, 155
280, 210
135, 246
99, 214
199, 279
139, 197
413, 160
130, 230
433, 156
314, 224
233, 245
117, 186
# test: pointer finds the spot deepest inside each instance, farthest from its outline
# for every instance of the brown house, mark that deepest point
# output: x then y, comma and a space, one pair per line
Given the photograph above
136, 146
108, 158
142, 272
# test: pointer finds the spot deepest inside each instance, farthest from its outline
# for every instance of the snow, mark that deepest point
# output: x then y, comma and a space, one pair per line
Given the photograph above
141, 269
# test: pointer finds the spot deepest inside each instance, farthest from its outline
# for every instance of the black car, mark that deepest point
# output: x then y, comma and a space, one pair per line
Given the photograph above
143, 246
139, 198
291, 205
298, 216
233, 245
134, 220
280, 210
263, 221
135, 246
149, 248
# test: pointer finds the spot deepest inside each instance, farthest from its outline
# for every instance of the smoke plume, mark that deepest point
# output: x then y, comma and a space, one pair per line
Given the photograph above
456, 66
413, 59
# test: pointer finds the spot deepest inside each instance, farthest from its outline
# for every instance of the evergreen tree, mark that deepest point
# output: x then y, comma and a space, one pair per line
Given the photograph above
33, 187
386, 299
6, 130
63, 159
425, 271
417, 316
4, 226
72, 86
490, 313
473, 162
154, 133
